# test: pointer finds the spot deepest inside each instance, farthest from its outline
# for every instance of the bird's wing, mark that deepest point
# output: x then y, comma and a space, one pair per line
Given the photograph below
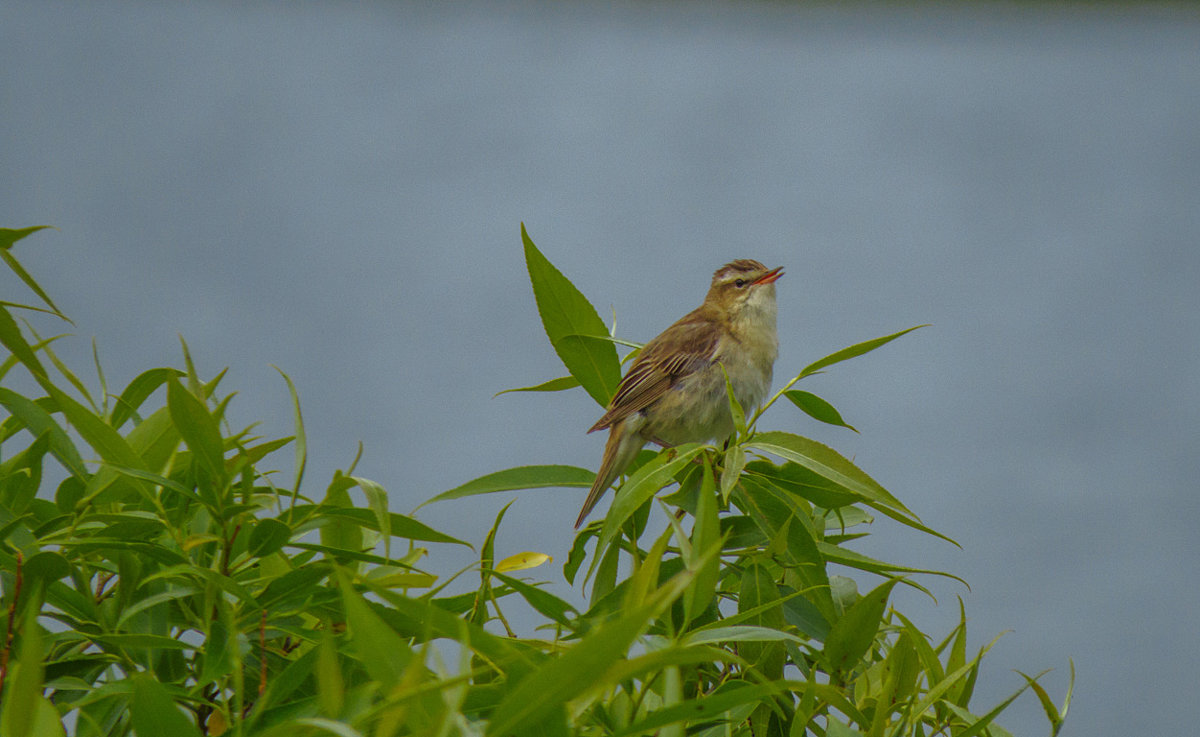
682, 349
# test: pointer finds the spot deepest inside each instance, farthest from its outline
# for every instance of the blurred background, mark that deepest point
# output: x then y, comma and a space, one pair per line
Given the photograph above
336, 189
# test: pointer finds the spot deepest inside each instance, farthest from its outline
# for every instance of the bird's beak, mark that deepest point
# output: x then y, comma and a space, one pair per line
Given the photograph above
770, 276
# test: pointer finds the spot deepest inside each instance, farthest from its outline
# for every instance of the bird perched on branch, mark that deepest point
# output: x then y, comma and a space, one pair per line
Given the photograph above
675, 392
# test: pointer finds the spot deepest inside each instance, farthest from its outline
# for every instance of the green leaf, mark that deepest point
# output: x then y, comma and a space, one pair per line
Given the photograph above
758, 588
16, 716
268, 536
399, 524
21, 475
283, 684
138, 391
787, 525
199, 430
672, 695
641, 486
739, 633
250, 455
31, 308
338, 532
218, 657
838, 728
855, 559
152, 601
46, 721
957, 640
642, 582
899, 674
656, 661
774, 510
134, 640
325, 725
804, 615
735, 407
1055, 717
578, 553
829, 464
8, 237
11, 338
162, 481
154, 712
83, 546
817, 408
539, 695
521, 477
113, 449
705, 709
377, 500
929, 659
192, 573
434, 622
606, 573
952, 681
39, 422
706, 536
543, 601
487, 561
841, 519
378, 647
841, 474
342, 555
23, 522
853, 351
852, 635
981, 724
553, 385
567, 316
63, 369
100, 375
301, 436
331, 687
1070, 690
299, 583
46, 567
735, 462
155, 439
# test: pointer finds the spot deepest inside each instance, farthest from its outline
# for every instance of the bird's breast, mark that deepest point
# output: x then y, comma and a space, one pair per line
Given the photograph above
748, 353
697, 408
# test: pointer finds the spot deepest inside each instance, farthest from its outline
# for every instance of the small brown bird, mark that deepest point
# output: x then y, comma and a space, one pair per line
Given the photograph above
675, 392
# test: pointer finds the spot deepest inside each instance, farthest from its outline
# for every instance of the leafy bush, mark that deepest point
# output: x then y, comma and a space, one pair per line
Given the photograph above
173, 587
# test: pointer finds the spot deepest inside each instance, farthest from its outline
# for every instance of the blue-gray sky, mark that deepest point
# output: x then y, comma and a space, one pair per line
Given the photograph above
336, 189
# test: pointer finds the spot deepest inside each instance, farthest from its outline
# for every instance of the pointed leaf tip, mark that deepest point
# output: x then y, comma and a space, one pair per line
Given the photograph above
855, 350
571, 322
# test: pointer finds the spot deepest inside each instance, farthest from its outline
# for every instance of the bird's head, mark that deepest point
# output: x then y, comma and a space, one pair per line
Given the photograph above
741, 285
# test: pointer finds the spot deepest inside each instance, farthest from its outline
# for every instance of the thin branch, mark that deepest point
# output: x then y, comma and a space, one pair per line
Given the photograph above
262, 653
12, 615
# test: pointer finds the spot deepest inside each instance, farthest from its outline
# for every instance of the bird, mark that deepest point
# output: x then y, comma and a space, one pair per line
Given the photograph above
674, 392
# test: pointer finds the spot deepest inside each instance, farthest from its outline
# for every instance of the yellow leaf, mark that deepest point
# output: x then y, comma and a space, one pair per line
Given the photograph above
521, 561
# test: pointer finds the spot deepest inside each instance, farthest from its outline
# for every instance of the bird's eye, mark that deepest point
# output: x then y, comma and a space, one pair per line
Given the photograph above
740, 283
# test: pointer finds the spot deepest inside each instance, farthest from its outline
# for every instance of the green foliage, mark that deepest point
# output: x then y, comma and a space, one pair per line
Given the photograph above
169, 583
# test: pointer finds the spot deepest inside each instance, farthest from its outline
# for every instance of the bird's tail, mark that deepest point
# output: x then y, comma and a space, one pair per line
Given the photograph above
620, 450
